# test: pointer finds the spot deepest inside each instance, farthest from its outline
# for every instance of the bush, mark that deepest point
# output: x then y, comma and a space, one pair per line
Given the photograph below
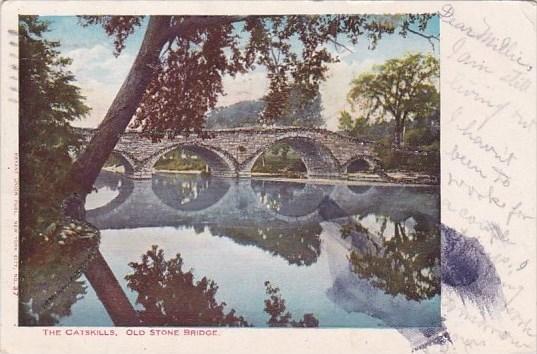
420, 136
399, 160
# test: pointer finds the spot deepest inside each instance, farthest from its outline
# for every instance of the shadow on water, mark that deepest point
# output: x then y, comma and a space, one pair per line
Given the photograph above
171, 296
51, 280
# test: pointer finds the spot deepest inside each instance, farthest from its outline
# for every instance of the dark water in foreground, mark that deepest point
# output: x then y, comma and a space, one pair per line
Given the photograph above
353, 256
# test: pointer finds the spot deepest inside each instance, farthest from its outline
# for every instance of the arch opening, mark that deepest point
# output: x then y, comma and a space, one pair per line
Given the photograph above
180, 159
316, 159
119, 163
359, 165
195, 159
280, 159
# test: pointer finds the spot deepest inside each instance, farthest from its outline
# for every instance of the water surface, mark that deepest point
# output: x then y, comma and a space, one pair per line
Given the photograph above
352, 256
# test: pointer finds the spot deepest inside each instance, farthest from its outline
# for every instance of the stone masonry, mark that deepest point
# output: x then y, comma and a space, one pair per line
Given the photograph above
233, 152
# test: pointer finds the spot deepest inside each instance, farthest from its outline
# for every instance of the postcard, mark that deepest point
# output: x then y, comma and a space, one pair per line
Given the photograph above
268, 177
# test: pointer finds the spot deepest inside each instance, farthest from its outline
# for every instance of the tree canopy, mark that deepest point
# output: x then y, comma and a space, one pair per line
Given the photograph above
177, 75
199, 51
400, 89
48, 102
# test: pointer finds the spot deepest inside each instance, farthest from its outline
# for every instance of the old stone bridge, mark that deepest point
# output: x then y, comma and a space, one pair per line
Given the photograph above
233, 152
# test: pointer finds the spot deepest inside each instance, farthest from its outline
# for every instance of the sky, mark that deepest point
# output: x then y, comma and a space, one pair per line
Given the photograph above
100, 74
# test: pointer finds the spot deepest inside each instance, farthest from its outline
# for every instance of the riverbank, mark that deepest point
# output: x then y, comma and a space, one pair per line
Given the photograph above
358, 179
348, 182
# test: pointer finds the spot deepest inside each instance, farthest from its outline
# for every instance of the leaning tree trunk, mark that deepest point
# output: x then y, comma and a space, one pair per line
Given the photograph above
88, 165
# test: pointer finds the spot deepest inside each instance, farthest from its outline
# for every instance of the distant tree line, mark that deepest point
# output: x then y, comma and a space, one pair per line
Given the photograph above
299, 111
397, 105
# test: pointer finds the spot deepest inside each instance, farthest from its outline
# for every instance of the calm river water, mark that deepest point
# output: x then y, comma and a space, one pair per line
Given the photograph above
352, 256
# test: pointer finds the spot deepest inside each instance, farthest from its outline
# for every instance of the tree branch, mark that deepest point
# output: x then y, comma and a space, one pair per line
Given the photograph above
338, 44
201, 21
429, 37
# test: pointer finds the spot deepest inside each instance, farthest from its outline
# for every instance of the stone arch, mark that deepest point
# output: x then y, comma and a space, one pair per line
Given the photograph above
127, 161
318, 159
221, 163
358, 165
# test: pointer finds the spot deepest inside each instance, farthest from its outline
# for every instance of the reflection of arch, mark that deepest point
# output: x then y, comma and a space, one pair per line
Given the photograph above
219, 161
359, 189
317, 158
112, 180
147, 205
207, 191
292, 199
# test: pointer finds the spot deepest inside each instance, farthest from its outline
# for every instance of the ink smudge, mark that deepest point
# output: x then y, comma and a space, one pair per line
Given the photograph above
468, 271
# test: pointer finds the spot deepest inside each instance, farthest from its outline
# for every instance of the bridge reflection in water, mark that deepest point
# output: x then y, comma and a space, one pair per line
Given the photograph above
362, 256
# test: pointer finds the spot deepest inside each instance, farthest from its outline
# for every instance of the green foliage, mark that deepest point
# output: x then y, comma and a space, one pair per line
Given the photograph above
405, 263
280, 159
197, 52
401, 89
280, 148
345, 122
171, 297
424, 132
48, 102
275, 307
356, 127
299, 109
424, 139
394, 160
178, 160
401, 105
